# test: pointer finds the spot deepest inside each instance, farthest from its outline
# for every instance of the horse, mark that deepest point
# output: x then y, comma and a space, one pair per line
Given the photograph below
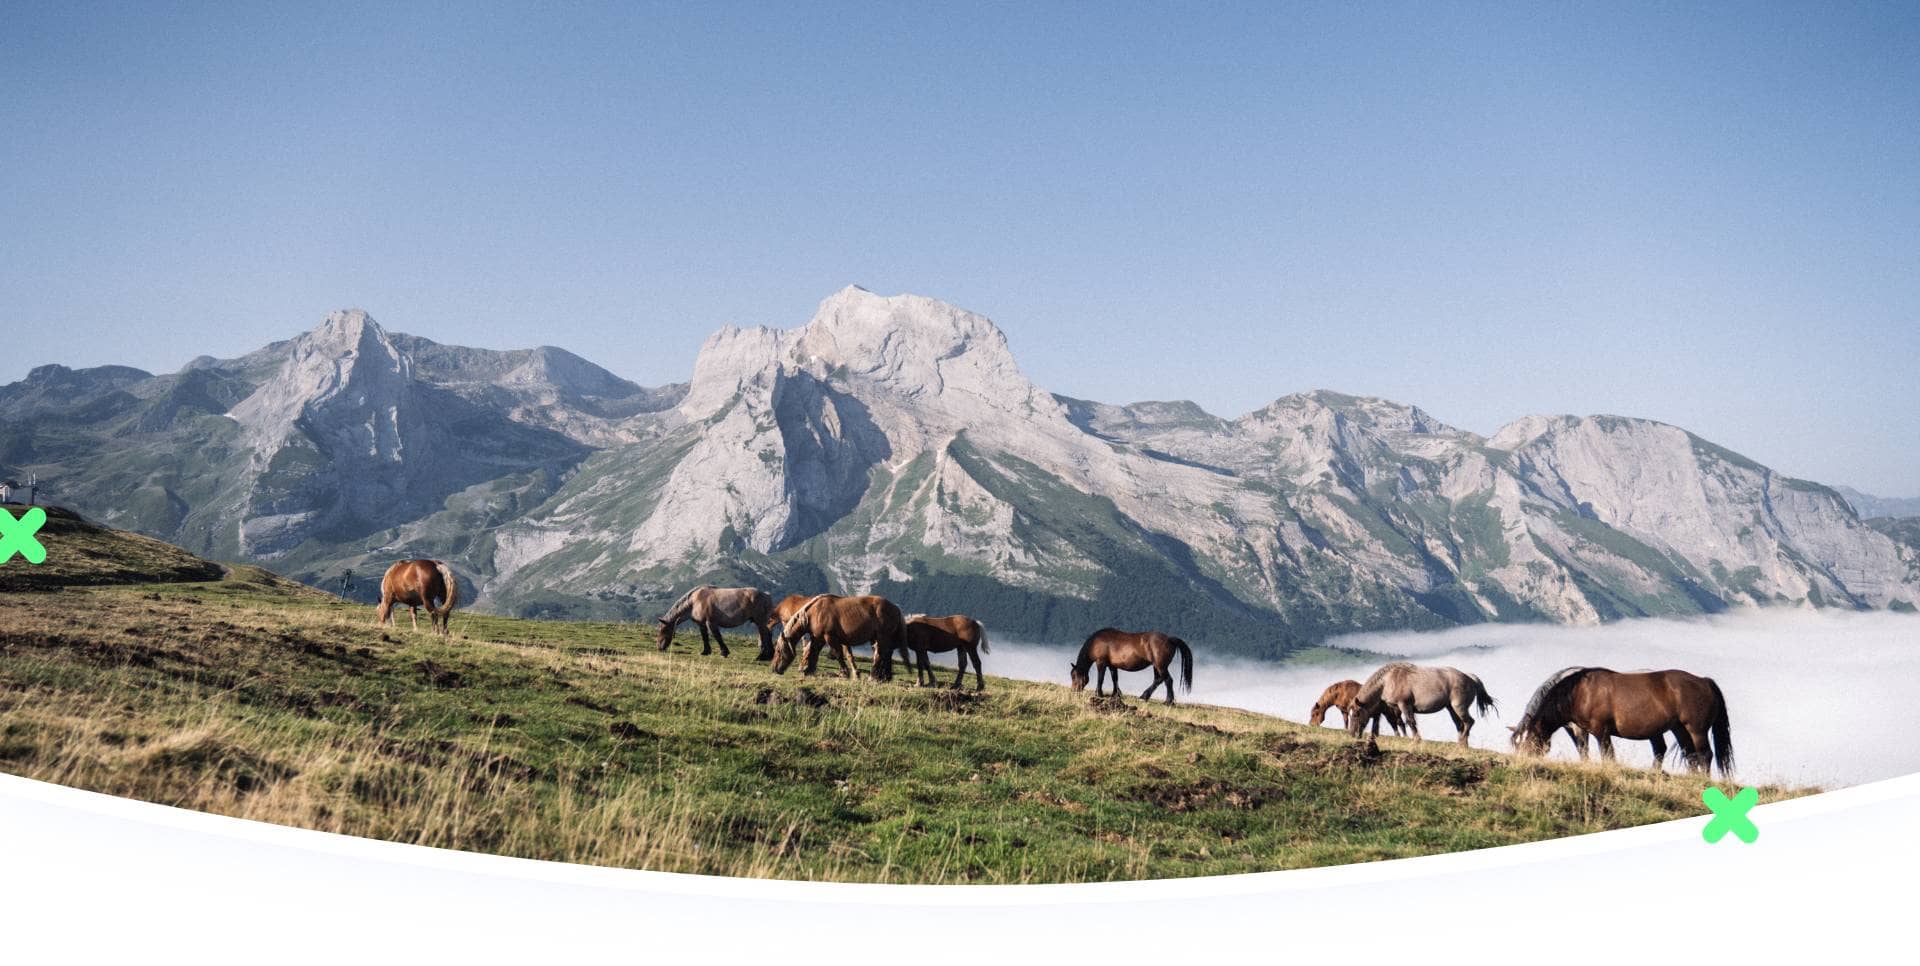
712, 608
941, 634
416, 584
1116, 650
842, 623
1414, 690
1641, 705
784, 611
1339, 695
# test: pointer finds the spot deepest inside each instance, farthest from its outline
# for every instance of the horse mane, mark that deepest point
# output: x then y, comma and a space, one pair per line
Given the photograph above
1553, 695
1087, 645
682, 602
1377, 679
802, 612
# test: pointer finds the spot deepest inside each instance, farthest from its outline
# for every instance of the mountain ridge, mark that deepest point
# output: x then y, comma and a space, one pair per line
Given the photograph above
892, 444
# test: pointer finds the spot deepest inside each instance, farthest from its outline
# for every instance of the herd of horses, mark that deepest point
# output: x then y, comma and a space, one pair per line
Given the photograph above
1582, 701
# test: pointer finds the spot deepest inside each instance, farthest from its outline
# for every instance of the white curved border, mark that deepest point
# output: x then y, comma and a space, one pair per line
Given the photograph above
84, 874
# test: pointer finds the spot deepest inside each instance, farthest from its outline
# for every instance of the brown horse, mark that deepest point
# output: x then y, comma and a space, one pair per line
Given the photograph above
418, 583
1413, 690
789, 606
842, 623
712, 608
1643, 705
1115, 651
1340, 696
941, 634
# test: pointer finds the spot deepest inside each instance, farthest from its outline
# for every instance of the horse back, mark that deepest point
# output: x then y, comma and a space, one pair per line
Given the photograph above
413, 582
942, 633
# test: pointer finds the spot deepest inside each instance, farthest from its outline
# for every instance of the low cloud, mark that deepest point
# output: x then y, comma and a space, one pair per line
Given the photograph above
1815, 697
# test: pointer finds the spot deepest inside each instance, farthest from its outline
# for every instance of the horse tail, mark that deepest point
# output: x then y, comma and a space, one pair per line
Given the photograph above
1186, 663
453, 590
1482, 701
1722, 732
883, 665
983, 637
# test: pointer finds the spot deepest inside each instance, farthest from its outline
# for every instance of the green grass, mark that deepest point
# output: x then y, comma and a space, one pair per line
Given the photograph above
252, 696
79, 552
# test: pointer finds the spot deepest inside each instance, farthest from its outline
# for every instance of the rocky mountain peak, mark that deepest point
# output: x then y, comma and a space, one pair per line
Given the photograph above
347, 361
905, 345
914, 344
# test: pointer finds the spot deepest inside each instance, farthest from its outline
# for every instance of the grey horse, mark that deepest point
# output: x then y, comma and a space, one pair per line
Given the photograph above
1414, 690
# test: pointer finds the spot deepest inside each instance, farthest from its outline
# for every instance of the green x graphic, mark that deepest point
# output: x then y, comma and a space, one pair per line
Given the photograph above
1730, 814
16, 536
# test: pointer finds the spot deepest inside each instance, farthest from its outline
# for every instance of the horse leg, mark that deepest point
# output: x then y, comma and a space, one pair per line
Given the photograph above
1659, 742
1148, 693
960, 680
706, 646
979, 680
415, 611
1462, 722
1408, 714
1605, 741
1699, 750
1099, 680
1579, 739
720, 639
853, 669
766, 641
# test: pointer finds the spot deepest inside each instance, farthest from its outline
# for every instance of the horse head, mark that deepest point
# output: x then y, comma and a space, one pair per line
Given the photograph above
1359, 715
1079, 676
1524, 740
666, 633
1318, 715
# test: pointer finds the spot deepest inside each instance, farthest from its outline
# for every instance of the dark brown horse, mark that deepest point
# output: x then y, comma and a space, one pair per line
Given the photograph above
842, 623
419, 583
939, 635
1115, 651
1341, 695
1640, 706
712, 608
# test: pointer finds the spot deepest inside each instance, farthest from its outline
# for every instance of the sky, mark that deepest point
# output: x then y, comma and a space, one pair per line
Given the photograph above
1704, 214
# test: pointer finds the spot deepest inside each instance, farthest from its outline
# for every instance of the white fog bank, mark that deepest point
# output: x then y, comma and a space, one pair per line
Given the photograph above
1814, 697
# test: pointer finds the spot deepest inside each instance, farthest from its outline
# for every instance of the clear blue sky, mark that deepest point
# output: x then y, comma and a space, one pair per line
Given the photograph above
1704, 214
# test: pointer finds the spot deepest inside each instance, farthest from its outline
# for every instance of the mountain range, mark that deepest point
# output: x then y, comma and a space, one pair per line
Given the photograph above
892, 445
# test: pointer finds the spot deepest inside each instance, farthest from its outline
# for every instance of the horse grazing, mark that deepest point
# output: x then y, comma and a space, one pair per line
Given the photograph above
842, 623
1115, 651
1414, 690
712, 608
1642, 705
941, 634
418, 583
1339, 695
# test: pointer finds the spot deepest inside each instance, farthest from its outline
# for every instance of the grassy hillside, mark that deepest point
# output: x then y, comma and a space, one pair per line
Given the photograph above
254, 697
82, 552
